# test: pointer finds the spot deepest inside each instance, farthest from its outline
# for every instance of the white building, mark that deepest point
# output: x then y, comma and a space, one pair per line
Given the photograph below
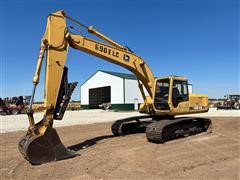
119, 89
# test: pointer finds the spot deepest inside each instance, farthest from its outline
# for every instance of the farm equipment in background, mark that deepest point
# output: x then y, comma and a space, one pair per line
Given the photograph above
14, 105
232, 101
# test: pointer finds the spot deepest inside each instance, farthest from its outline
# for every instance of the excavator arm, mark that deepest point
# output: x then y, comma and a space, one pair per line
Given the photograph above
56, 42
54, 45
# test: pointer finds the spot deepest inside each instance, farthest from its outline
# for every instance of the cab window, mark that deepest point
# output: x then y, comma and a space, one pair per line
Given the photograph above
161, 94
180, 92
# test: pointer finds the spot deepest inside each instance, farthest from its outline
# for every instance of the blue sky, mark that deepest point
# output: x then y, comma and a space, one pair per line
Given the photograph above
198, 39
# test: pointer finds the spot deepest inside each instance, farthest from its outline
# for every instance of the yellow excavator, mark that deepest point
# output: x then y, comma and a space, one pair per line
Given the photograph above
164, 98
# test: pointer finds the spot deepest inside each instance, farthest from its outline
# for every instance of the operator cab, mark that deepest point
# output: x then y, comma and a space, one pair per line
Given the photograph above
172, 89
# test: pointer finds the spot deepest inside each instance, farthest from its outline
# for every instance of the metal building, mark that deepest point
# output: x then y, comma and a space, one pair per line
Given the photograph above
119, 89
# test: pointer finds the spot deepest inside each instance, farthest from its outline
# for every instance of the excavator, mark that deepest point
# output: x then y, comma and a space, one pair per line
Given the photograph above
164, 97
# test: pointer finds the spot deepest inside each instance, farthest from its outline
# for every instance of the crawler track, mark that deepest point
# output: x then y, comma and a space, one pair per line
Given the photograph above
160, 131
165, 130
130, 125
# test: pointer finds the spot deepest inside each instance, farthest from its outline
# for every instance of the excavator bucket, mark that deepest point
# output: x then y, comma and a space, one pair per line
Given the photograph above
44, 148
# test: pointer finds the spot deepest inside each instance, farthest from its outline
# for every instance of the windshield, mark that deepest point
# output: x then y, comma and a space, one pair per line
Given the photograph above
161, 94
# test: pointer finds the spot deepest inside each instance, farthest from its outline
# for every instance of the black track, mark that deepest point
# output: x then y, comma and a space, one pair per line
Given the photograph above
130, 125
165, 130
160, 131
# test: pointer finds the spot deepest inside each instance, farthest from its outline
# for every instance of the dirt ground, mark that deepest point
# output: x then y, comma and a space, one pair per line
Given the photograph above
103, 156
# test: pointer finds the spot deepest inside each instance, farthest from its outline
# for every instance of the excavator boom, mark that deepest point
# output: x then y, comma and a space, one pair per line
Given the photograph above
41, 136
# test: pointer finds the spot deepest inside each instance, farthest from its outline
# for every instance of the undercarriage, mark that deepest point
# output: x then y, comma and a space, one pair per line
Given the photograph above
162, 130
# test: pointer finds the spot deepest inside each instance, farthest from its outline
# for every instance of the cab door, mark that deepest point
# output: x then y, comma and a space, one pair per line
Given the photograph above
180, 96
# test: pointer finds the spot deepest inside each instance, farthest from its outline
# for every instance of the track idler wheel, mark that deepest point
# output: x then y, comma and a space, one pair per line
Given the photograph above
44, 148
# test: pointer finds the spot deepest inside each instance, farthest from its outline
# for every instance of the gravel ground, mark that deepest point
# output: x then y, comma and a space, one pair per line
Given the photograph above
103, 156
13, 123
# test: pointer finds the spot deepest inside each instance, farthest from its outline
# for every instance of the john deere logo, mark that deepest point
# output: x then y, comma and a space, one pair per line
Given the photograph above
126, 57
